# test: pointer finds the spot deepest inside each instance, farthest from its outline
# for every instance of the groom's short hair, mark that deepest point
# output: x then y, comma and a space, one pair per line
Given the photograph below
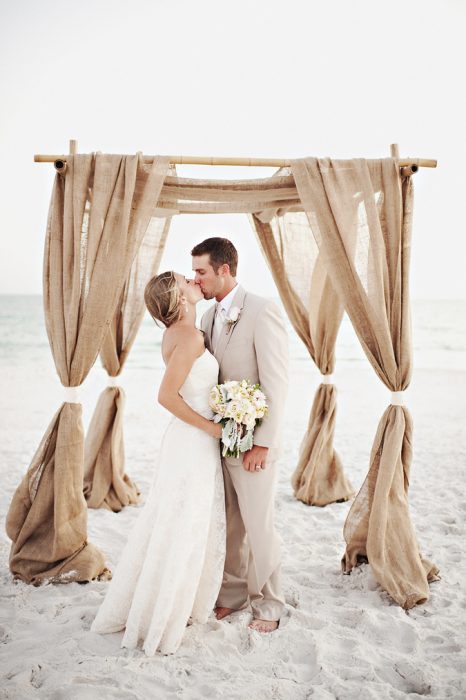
220, 251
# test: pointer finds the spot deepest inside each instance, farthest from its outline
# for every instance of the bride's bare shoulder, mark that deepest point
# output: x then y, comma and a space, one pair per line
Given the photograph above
186, 338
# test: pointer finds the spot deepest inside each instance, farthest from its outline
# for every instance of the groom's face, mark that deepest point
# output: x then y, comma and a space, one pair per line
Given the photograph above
210, 282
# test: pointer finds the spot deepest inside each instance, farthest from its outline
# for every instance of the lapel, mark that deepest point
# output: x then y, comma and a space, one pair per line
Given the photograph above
211, 324
207, 326
225, 336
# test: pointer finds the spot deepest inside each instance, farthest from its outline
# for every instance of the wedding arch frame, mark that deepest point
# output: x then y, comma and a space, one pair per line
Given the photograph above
336, 236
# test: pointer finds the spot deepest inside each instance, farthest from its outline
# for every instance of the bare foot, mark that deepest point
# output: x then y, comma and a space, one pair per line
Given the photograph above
263, 625
220, 613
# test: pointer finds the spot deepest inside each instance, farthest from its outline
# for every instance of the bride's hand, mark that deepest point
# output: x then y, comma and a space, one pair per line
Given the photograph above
216, 430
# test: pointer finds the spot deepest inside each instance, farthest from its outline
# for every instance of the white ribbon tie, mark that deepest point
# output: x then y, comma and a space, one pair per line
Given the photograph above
71, 394
397, 398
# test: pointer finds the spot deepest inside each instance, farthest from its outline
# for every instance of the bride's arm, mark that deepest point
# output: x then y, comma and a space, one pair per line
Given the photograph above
178, 367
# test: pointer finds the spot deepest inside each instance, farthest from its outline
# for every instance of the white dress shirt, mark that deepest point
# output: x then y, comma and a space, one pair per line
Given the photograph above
221, 313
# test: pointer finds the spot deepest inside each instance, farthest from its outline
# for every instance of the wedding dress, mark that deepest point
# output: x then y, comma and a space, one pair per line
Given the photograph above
171, 567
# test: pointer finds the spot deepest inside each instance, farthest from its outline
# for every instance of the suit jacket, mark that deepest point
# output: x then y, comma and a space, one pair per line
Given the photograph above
255, 348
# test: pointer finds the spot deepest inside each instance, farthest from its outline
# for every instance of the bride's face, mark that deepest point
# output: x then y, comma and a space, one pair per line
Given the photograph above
189, 289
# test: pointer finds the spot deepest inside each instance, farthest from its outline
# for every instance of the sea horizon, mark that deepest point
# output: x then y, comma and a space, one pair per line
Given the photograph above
438, 330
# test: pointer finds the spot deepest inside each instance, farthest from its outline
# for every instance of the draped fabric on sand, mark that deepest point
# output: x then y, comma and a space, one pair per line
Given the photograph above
360, 213
106, 485
99, 213
315, 312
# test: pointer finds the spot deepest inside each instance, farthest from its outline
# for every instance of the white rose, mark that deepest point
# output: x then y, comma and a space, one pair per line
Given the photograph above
250, 423
215, 397
230, 389
230, 385
220, 408
250, 418
236, 392
234, 314
236, 411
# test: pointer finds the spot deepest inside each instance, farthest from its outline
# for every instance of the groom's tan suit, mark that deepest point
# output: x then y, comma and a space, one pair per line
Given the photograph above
255, 348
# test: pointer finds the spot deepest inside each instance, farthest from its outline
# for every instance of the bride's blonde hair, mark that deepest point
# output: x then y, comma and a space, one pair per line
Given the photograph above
162, 296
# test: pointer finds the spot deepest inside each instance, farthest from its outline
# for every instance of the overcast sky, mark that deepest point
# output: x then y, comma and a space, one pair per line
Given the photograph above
241, 78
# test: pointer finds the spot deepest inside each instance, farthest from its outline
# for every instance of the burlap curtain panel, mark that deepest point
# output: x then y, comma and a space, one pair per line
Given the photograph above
315, 312
275, 194
106, 485
367, 202
99, 213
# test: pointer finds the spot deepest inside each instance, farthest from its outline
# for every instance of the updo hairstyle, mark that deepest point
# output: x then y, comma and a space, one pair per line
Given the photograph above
162, 296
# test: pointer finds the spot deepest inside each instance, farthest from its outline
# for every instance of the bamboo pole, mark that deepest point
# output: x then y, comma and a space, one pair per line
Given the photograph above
60, 164
60, 161
405, 170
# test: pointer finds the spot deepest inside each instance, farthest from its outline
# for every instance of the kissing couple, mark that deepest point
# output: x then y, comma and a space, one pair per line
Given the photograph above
205, 538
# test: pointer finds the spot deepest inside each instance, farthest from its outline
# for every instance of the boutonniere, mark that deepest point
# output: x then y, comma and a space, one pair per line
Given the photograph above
232, 318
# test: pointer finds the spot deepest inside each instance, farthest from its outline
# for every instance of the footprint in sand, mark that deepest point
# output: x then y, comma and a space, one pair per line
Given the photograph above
408, 678
292, 597
37, 676
5, 634
299, 666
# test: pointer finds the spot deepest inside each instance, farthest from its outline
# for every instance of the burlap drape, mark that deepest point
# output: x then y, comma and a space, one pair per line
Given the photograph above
276, 194
315, 312
367, 201
106, 485
98, 216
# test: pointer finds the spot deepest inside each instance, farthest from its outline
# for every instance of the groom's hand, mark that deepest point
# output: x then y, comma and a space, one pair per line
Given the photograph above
255, 459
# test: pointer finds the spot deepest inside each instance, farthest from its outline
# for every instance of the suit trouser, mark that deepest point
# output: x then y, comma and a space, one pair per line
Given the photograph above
252, 563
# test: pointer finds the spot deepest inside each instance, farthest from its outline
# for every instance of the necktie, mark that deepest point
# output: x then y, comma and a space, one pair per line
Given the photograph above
219, 322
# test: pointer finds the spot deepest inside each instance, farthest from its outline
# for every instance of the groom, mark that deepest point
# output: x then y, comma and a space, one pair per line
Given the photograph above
246, 333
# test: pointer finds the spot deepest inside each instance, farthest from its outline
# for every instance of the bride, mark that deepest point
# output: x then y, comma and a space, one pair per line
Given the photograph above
170, 570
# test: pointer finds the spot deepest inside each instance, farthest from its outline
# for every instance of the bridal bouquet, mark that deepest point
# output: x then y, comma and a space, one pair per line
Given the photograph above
239, 406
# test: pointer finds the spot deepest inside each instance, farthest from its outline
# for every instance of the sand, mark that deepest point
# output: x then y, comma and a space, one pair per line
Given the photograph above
341, 636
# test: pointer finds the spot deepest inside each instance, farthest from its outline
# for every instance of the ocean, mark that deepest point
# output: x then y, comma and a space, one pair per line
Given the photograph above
439, 337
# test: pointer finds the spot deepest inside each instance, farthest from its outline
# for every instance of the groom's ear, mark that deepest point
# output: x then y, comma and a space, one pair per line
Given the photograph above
224, 269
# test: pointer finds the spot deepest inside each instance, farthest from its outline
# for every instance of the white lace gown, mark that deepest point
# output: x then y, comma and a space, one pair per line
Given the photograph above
171, 567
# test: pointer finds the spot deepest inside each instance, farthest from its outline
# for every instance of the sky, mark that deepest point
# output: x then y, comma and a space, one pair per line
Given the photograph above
246, 78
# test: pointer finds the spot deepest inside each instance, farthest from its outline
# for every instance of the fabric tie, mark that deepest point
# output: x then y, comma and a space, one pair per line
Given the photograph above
326, 378
397, 398
113, 381
71, 394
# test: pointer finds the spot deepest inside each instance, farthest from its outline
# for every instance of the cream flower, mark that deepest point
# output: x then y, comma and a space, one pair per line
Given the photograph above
233, 314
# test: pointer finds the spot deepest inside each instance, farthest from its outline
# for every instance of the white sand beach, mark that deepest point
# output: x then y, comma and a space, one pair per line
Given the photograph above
342, 637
